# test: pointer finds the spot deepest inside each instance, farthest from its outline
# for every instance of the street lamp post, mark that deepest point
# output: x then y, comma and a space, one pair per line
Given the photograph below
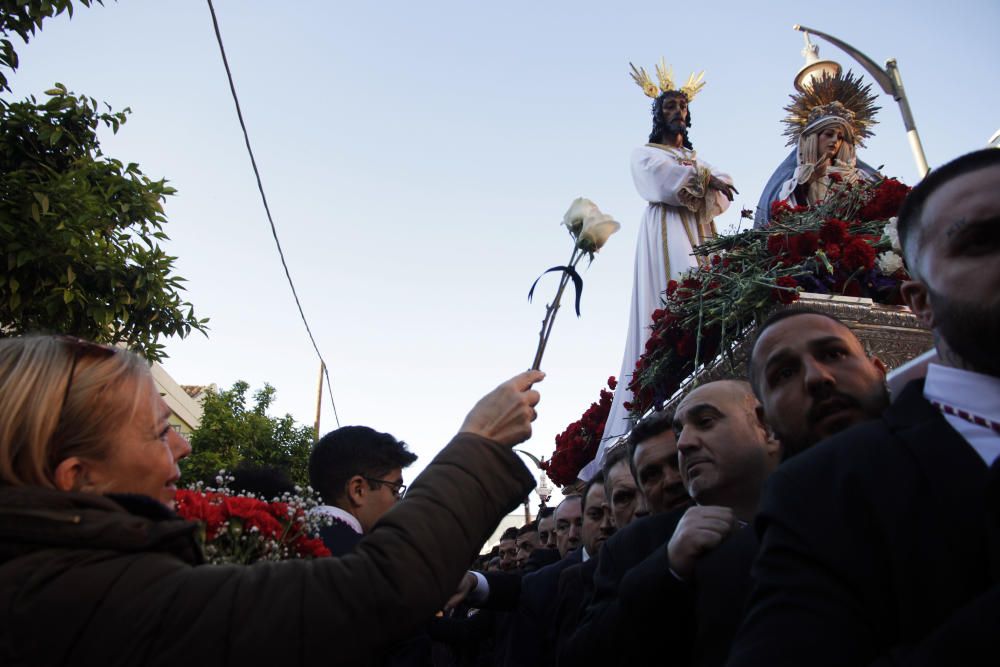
891, 82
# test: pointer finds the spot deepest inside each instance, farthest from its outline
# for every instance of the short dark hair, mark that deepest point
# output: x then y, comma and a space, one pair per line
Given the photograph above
509, 534
613, 457
572, 496
267, 482
350, 451
596, 479
909, 223
546, 512
774, 318
659, 422
530, 527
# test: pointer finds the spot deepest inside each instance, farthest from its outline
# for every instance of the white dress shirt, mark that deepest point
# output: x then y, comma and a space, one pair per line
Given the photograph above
340, 515
975, 393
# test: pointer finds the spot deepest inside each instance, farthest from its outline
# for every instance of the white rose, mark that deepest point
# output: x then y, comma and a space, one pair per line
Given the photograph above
889, 262
891, 232
597, 227
579, 210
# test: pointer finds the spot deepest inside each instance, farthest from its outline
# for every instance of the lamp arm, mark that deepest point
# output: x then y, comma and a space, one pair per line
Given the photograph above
877, 73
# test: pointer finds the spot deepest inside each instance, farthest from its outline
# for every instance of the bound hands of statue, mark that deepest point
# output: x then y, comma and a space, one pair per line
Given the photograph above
701, 529
505, 414
726, 189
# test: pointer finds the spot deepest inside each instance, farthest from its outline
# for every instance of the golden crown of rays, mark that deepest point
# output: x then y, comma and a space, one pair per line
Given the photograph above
844, 96
665, 81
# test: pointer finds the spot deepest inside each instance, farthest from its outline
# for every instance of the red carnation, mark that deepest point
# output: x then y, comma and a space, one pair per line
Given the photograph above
785, 296
886, 200
776, 244
808, 243
858, 254
778, 209
687, 346
671, 287
833, 231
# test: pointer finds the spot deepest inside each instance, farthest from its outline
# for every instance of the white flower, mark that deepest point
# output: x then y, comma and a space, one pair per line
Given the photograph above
597, 227
579, 210
892, 233
889, 262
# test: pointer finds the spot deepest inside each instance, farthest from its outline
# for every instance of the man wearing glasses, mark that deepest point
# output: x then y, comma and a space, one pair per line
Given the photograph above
358, 473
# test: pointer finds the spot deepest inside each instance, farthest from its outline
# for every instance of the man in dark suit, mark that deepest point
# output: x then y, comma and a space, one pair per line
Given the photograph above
725, 453
625, 500
498, 595
525, 645
834, 385
547, 527
576, 582
358, 473
652, 450
881, 545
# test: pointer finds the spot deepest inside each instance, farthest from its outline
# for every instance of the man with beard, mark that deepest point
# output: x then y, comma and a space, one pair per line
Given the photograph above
685, 194
881, 545
813, 377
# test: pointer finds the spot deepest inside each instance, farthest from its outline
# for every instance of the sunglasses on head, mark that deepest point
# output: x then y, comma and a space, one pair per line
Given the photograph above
80, 348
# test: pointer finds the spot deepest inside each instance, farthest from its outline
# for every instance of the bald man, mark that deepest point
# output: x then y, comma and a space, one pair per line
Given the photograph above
725, 452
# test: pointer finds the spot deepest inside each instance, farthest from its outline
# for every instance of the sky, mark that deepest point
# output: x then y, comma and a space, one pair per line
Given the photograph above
418, 159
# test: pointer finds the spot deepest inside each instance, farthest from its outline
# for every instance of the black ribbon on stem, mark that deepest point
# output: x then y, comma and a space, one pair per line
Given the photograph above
568, 272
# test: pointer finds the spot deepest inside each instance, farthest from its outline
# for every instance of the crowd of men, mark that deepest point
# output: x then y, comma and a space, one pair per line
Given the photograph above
799, 515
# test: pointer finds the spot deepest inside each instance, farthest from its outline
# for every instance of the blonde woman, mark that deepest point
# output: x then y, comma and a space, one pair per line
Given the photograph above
96, 569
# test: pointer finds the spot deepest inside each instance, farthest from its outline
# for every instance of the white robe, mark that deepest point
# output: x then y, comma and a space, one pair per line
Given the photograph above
674, 182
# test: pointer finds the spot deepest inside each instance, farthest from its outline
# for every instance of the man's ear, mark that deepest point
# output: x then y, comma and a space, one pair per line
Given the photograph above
880, 365
916, 296
356, 491
772, 445
72, 475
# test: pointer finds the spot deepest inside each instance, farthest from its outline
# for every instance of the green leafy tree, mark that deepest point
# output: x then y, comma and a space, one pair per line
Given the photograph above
80, 232
231, 433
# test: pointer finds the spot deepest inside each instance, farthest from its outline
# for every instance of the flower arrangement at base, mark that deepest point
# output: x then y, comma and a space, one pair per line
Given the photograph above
577, 445
848, 245
243, 529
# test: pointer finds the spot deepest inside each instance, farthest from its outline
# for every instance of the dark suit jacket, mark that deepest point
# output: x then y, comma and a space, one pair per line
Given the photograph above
722, 584
697, 619
878, 547
505, 587
528, 644
600, 638
339, 538
576, 588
